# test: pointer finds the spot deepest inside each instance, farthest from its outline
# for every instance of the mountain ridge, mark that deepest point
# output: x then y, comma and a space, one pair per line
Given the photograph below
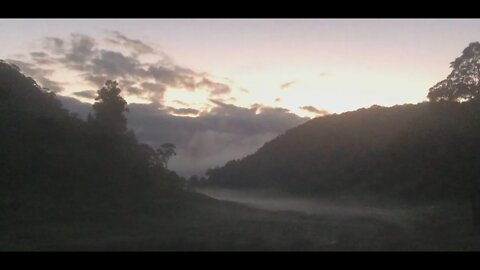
368, 150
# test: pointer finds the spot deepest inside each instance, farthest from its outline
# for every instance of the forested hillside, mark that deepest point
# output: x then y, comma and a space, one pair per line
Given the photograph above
421, 151
57, 166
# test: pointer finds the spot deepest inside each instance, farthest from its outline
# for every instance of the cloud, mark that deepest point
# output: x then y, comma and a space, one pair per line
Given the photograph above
41, 58
114, 65
51, 85
214, 87
96, 65
75, 106
54, 45
181, 102
314, 110
183, 111
211, 139
154, 91
173, 77
218, 103
39, 74
91, 94
287, 84
81, 51
30, 68
136, 46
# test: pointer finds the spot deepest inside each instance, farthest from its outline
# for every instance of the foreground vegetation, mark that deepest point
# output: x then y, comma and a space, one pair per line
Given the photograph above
196, 223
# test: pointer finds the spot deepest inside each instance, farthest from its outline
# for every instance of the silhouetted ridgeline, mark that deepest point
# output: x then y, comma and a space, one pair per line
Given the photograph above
417, 152
55, 165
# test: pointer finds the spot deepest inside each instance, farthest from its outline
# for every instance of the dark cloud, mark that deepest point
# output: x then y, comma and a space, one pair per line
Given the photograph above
211, 139
50, 85
215, 88
75, 106
38, 54
218, 103
174, 77
314, 110
183, 111
96, 66
30, 69
86, 94
272, 110
155, 91
54, 45
114, 64
97, 80
41, 58
287, 84
136, 46
153, 87
81, 51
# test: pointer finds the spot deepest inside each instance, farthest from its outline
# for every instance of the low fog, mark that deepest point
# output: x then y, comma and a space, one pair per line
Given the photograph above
403, 218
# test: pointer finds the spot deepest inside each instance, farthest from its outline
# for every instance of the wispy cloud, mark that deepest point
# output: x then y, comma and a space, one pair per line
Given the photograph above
318, 112
287, 84
137, 47
91, 94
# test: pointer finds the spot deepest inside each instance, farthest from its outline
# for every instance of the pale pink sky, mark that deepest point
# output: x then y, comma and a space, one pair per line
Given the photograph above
336, 65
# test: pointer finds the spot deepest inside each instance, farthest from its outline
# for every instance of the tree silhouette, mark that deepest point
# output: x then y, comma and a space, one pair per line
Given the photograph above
109, 109
463, 83
165, 152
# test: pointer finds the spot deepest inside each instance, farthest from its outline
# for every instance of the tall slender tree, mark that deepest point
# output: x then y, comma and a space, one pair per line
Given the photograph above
109, 109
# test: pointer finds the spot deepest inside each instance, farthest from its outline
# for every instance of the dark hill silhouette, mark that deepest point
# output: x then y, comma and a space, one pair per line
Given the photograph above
57, 166
416, 152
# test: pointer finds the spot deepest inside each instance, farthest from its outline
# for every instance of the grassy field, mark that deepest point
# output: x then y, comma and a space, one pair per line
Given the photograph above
199, 223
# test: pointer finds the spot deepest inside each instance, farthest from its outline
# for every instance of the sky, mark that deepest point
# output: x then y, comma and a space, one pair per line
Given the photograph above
240, 68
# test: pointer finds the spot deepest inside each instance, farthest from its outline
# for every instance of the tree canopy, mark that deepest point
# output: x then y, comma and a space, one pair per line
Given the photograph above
110, 107
463, 83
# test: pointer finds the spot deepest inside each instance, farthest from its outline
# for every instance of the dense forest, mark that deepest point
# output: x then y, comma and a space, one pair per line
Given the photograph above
52, 162
425, 151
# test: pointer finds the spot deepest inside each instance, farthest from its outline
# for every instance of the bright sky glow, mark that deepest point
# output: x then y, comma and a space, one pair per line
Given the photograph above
333, 65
